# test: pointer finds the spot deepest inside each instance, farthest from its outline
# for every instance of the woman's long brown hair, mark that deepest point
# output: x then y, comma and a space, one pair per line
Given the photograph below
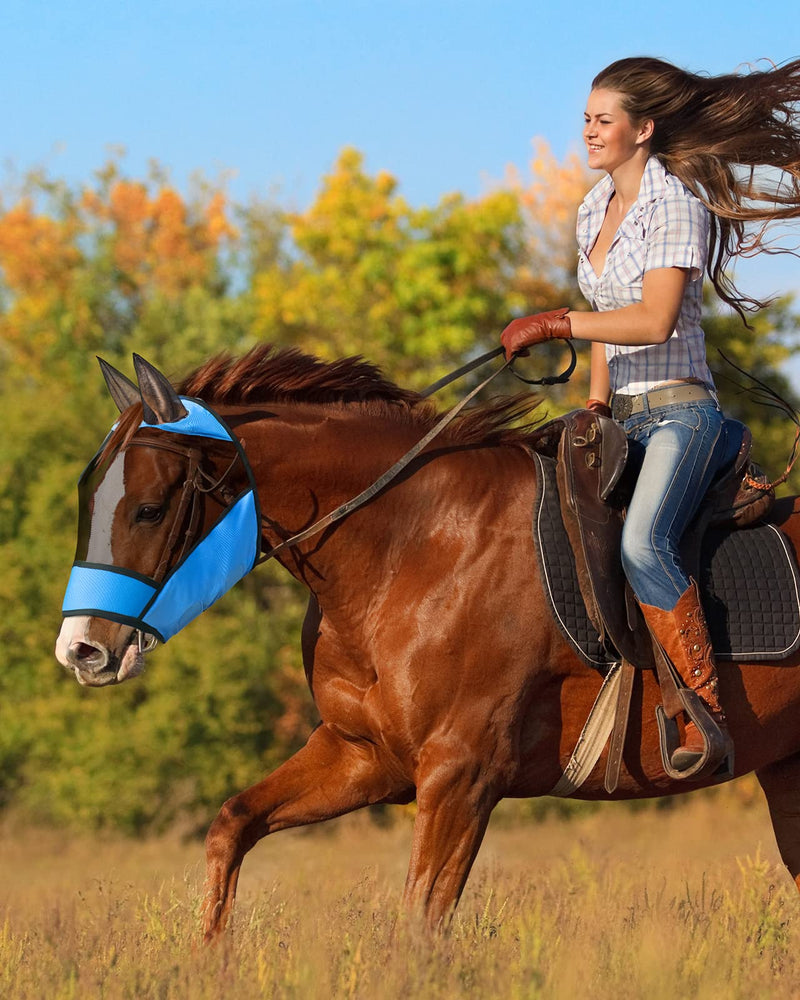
733, 140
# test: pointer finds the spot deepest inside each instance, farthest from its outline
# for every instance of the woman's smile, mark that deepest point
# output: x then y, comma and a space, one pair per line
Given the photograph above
611, 137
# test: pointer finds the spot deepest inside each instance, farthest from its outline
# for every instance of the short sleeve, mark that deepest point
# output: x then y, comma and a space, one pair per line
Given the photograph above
678, 233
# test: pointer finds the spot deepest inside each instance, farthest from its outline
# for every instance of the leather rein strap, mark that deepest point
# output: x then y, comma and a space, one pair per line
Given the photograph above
349, 506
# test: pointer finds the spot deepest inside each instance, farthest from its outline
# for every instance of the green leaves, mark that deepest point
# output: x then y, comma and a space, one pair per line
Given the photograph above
411, 289
761, 351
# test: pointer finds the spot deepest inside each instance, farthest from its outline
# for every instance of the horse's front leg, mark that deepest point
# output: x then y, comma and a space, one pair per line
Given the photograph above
330, 776
454, 802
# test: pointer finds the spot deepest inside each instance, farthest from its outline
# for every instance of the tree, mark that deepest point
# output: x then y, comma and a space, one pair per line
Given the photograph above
549, 199
762, 351
414, 290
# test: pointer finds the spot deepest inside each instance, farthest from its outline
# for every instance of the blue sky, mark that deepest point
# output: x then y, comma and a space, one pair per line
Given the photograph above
443, 94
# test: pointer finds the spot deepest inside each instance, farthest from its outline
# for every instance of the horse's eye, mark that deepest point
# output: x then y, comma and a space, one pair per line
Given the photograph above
150, 513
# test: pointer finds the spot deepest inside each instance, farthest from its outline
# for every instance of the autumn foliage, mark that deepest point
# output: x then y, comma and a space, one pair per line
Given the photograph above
155, 242
412, 289
75, 262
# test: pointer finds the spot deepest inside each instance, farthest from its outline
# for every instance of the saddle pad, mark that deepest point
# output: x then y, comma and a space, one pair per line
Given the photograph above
748, 579
751, 593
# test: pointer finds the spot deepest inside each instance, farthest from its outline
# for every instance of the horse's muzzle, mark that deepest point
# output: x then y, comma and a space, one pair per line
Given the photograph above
93, 663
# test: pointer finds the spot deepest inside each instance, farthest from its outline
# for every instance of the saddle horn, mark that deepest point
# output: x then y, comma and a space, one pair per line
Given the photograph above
121, 389
161, 404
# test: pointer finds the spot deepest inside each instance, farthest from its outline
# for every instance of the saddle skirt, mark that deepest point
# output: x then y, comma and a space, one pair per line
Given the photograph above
745, 567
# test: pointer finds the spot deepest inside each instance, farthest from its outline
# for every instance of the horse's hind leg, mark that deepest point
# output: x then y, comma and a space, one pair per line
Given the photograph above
781, 784
330, 776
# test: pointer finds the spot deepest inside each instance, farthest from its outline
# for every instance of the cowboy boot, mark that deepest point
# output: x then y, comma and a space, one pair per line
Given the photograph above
683, 635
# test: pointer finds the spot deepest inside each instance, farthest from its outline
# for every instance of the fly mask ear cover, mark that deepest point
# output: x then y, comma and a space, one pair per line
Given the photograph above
219, 559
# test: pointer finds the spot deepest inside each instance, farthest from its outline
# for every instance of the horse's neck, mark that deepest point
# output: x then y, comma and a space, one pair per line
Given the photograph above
308, 460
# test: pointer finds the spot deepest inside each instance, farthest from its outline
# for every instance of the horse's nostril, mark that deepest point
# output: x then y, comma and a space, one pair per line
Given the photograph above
82, 654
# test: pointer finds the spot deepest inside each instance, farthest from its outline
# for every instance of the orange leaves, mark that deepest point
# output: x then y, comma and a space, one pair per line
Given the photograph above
81, 269
217, 224
557, 188
128, 211
550, 201
37, 252
157, 241
38, 255
357, 271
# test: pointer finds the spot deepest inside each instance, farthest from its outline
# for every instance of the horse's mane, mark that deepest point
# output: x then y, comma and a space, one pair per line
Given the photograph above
269, 375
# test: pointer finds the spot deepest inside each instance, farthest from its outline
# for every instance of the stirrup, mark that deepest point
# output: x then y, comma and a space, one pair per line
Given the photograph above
717, 758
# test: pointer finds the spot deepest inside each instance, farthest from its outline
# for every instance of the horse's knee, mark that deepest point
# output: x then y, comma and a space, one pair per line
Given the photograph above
472, 780
229, 826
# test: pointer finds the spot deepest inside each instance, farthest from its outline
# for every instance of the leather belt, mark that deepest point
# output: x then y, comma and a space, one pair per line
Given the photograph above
623, 407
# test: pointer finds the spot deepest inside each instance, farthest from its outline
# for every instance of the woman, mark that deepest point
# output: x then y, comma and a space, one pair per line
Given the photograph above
673, 204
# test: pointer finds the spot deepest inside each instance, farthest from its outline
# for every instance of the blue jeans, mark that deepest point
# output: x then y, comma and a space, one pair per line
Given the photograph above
681, 448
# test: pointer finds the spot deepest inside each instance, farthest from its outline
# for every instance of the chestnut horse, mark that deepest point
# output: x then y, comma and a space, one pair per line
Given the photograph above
429, 649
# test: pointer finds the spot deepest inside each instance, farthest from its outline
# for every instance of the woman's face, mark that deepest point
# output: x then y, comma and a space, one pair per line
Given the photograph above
611, 137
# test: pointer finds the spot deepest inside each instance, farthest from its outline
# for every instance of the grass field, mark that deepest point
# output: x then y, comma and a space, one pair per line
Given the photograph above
678, 903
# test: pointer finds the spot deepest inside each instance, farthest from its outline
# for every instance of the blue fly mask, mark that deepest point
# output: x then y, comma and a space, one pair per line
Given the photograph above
206, 568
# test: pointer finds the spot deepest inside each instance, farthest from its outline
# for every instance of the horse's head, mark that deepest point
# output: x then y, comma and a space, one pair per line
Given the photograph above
168, 521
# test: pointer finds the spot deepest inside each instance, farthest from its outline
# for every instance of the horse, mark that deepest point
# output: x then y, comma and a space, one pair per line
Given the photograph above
436, 667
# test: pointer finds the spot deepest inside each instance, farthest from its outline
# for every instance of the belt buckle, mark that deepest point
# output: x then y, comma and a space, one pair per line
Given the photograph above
622, 406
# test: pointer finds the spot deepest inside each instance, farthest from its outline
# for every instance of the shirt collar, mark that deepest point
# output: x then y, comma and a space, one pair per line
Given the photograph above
593, 209
654, 181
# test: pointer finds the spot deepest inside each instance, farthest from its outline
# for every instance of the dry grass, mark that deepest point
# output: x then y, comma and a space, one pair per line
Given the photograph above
685, 903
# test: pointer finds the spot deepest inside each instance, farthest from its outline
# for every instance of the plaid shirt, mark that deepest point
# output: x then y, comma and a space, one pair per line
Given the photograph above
666, 227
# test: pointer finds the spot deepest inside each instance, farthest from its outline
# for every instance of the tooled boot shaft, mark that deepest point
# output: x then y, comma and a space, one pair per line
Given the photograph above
683, 635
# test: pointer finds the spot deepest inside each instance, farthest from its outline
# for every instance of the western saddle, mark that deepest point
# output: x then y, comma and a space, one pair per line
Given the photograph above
595, 482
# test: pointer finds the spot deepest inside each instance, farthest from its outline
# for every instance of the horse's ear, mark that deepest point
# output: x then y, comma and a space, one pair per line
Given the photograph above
122, 390
161, 403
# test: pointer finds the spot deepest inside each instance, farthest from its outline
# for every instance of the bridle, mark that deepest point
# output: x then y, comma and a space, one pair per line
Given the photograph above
199, 557
197, 485
192, 489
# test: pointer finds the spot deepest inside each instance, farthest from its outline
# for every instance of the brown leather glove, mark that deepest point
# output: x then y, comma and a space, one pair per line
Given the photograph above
598, 406
528, 330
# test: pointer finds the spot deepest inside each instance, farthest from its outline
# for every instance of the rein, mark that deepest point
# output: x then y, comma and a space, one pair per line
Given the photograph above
358, 501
